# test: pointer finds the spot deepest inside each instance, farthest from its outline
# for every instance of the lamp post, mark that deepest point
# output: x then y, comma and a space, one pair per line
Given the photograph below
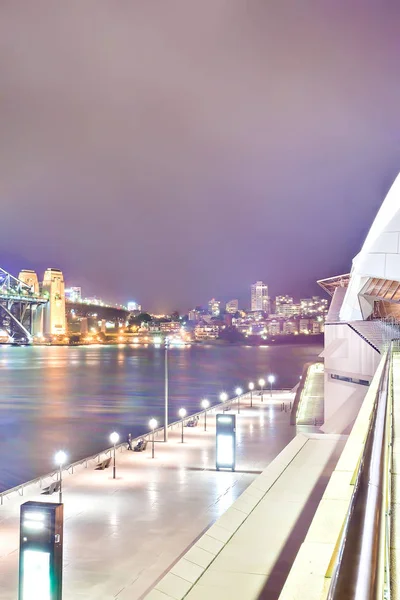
152, 424
205, 404
238, 393
166, 346
60, 460
251, 388
182, 414
114, 439
261, 383
271, 381
223, 397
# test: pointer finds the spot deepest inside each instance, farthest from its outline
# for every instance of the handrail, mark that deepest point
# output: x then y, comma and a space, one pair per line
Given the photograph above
97, 457
360, 568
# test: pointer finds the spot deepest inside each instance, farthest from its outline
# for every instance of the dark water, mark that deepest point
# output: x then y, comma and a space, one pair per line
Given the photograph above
72, 398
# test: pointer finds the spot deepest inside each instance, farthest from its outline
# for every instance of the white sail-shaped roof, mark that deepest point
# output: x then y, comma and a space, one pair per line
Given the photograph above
379, 256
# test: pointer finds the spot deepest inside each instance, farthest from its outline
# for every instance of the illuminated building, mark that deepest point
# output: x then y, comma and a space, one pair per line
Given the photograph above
170, 327
289, 327
134, 306
232, 306
284, 306
313, 306
73, 294
274, 327
204, 331
304, 326
30, 278
259, 297
214, 307
53, 288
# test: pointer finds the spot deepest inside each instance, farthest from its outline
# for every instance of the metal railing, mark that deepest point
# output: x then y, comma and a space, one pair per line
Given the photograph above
97, 458
362, 566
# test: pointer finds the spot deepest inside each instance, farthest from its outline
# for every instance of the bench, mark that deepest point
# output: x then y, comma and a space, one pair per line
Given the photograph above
52, 488
104, 464
140, 446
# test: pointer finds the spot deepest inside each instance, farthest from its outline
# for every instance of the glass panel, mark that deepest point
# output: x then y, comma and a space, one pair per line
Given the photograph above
375, 287
385, 288
396, 295
391, 290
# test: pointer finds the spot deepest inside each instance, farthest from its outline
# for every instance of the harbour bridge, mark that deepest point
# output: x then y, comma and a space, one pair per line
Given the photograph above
18, 303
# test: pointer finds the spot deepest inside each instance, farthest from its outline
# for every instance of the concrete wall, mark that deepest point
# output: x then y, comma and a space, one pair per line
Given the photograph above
346, 354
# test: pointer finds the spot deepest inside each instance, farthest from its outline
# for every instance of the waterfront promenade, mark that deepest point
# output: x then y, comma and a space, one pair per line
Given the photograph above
122, 535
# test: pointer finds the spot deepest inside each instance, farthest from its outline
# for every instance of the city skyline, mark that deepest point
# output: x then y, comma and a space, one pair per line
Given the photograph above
195, 145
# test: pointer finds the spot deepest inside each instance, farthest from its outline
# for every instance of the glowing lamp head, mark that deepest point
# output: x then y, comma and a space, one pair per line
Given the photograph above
223, 397
153, 424
261, 382
238, 391
271, 378
205, 403
114, 438
251, 385
60, 458
182, 412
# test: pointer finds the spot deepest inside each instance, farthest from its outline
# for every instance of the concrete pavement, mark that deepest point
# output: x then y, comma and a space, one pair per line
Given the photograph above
122, 535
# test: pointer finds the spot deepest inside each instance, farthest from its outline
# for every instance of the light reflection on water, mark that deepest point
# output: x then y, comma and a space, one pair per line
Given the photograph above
72, 398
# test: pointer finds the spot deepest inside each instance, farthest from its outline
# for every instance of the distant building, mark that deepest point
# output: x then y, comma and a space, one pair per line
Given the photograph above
170, 326
30, 278
317, 326
214, 307
313, 306
259, 297
194, 315
304, 326
205, 331
290, 327
134, 306
53, 288
232, 306
274, 327
73, 294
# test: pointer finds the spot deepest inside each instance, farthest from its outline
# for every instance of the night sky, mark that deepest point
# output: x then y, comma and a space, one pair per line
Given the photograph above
169, 151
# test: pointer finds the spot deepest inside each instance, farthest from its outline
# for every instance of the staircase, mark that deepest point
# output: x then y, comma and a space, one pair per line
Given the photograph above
310, 409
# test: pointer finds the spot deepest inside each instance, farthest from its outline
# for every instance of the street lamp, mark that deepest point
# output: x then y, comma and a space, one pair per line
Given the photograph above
166, 345
60, 459
152, 424
182, 414
205, 404
261, 383
238, 393
114, 439
271, 380
251, 388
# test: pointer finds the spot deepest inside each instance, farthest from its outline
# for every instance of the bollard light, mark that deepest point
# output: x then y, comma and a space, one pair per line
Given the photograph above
114, 439
153, 425
238, 393
60, 459
205, 404
251, 388
261, 383
182, 414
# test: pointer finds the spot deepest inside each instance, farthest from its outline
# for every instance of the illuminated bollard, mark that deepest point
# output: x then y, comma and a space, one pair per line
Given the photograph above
226, 442
41, 551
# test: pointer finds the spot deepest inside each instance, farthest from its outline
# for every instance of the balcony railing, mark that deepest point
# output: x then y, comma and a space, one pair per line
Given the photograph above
362, 563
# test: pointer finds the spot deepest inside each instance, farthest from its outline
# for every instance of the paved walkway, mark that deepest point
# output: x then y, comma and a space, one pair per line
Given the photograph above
122, 535
249, 551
